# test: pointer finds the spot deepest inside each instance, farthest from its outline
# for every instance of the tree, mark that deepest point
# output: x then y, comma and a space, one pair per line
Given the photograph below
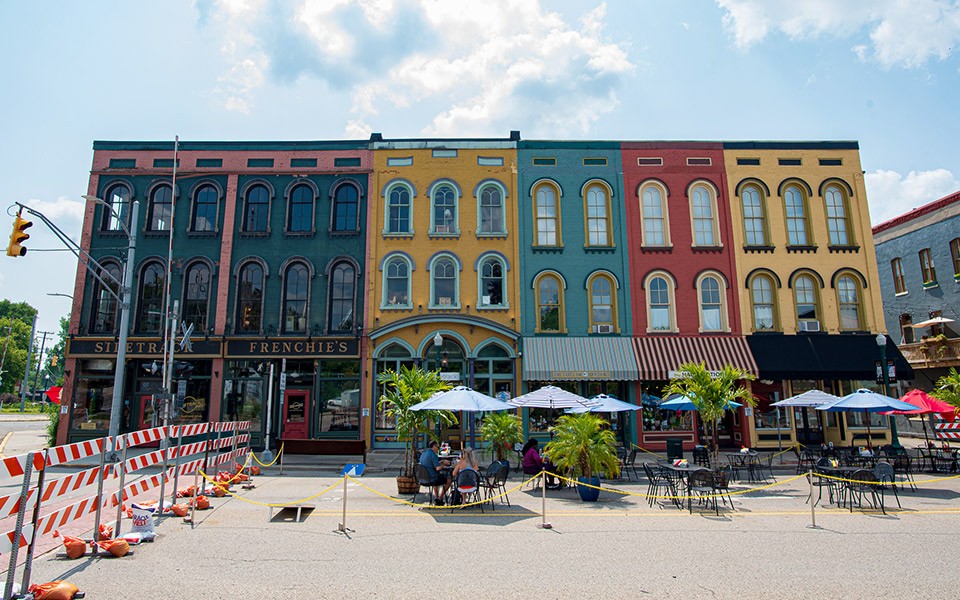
402, 390
948, 388
711, 395
20, 311
15, 334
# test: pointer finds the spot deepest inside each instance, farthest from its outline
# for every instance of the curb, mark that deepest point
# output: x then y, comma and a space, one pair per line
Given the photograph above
3, 444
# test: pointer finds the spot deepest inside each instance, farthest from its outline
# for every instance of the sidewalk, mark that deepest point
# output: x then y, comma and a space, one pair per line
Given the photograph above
21, 442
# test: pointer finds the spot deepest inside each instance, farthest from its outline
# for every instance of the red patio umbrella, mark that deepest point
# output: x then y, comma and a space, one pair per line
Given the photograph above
926, 405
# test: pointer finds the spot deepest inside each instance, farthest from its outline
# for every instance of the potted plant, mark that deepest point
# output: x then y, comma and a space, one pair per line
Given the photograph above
402, 390
584, 445
502, 429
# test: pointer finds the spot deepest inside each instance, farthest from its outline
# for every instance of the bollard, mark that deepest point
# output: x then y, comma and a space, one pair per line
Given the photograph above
543, 501
813, 510
342, 526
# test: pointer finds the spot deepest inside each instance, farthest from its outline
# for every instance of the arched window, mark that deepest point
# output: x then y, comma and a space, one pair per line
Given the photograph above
955, 255
754, 216
492, 218
118, 199
444, 281
445, 213
343, 290
805, 295
656, 230
547, 216
161, 207
346, 202
712, 306
838, 222
392, 357
899, 283
493, 370
205, 202
250, 298
603, 304
399, 209
660, 297
257, 210
196, 296
300, 213
492, 283
597, 204
927, 270
104, 302
396, 283
704, 210
153, 279
764, 305
550, 314
848, 299
796, 211
296, 292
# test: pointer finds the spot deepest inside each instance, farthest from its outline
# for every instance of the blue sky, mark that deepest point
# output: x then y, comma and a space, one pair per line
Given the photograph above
883, 72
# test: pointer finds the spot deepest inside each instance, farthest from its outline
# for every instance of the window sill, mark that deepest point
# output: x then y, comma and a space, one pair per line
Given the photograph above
898, 294
111, 233
492, 308
349, 233
156, 233
445, 308
667, 248
707, 248
435, 234
492, 236
396, 307
600, 249
759, 249
801, 249
299, 234
203, 234
398, 236
843, 249
929, 285
255, 234
546, 249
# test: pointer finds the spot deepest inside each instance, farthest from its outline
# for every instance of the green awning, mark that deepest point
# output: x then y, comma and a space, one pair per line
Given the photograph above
580, 358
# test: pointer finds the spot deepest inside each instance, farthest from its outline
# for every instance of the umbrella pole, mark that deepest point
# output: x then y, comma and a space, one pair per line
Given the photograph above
924, 423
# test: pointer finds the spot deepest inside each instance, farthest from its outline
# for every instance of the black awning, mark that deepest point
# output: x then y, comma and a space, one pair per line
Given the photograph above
822, 356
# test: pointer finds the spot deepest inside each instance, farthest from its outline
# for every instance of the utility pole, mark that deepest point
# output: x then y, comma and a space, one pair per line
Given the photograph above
26, 369
43, 343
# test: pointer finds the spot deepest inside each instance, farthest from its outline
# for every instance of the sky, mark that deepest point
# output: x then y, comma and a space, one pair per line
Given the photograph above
881, 72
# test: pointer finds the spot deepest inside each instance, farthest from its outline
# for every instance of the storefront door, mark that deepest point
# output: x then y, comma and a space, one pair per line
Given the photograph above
296, 405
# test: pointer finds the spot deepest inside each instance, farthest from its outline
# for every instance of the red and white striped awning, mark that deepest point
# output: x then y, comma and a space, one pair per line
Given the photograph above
660, 356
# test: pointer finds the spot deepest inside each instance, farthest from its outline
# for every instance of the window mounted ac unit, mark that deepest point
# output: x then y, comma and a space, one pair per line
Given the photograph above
603, 328
809, 325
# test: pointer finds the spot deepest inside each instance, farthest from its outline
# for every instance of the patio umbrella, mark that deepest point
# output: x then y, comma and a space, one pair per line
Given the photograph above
463, 399
685, 403
650, 400
550, 396
925, 404
605, 404
808, 399
866, 401
933, 321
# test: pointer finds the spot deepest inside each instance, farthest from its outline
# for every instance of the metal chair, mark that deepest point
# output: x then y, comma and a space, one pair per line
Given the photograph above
703, 484
701, 456
495, 482
468, 485
721, 484
656, 483
863, 482
422, 475
628, 464
886, 475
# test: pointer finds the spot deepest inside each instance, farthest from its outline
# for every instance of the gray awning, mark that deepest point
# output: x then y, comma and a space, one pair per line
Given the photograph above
579, 358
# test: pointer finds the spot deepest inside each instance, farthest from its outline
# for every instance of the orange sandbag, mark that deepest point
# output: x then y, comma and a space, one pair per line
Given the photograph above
187, 492
106, 532
203, 503
254, 470
118, 547
180, 510
75, 547
219, 492
54, 590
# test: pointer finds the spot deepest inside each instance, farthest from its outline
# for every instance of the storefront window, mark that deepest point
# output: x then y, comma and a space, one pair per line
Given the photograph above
765, 416
191, 392
339, 383
655, 419
493, 371
244, 393
92, 396
390, 358
542, 419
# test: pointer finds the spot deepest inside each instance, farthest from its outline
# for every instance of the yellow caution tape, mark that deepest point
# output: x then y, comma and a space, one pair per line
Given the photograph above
648, 451
674, 497
277, 504
273, 462
902, 483
408, 503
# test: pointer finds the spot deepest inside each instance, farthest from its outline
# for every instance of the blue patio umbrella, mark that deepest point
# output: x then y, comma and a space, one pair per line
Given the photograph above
685, 403
650, 400
866, 401
463, 399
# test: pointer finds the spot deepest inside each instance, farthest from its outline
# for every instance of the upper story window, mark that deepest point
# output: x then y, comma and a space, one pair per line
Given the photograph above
161, 208
396, 282
653, 214
603, 304
899, 283
848, 300
492, 283
660, 303
597, 204
754, 216
712, 306
300, 211
446, 217
346, 203
492, 220
296, 295
704, 208
205, 203
927, 269
343, 293
955, 255
399, 209
444, 283
764, 303
838, 221
256, 212
118, 199
796, 212
153, 279
550, 313
250, 298
105, 305
807, 301
547, 215
196, 296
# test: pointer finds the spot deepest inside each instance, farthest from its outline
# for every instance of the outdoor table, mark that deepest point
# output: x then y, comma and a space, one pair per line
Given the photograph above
742, 460
682, 475
841, 472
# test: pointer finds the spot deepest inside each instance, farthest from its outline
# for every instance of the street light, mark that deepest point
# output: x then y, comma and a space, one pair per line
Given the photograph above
438, 344
126, 289
61, 295
882, 343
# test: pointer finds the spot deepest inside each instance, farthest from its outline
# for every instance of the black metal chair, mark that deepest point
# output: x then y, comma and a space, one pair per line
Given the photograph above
861, 483
629, 464
701, 456
495, 482
806, 459
702, 483
422, 475
657, 483
468, 486
721, 484
821, 482
886, 475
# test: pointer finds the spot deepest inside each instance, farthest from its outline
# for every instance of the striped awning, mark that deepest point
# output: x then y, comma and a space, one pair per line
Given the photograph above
579, 358
659, 357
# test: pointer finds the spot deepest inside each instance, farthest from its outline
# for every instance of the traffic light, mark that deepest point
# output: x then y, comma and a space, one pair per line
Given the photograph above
18, 236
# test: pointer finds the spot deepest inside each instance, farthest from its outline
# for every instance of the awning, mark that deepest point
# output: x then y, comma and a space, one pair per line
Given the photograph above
850, 356
660, 356
580, 358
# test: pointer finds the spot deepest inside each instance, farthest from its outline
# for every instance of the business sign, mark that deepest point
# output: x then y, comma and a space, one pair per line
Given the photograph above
306, 348
891, 372
686, 375
582, 375
138, 348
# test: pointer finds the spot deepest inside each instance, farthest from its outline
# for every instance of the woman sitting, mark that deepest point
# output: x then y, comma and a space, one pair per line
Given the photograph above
532, 463
467, 462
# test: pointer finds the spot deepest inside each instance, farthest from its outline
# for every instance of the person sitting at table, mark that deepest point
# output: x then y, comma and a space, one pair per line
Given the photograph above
434, 466
532, 463
467, 462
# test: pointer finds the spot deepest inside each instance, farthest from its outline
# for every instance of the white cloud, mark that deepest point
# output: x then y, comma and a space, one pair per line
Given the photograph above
891, 194
908, 33
61, 208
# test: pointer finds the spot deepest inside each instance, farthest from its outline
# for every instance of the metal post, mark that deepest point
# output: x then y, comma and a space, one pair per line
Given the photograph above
176, 467
108, 447
813, 510
43, 344
894, 438
543, 501
267, 455
127, 290
123, 476
342, 527
28, 565
26, 369
18, 529
206, 460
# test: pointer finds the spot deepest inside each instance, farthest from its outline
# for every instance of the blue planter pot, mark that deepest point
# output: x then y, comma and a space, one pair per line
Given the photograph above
589, 494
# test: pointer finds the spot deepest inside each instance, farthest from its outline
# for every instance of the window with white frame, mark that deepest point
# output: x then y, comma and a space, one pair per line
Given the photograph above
705, 231
492, 283
805, 295
927, 270
547, 216
396, 283
712, 317
445, 212
492, 219
899, 282
848, 299
444, 283
838, 222
660, 303
654, 216
549, 303
764, 307
754, 219
597, 203
602, 302
118, 199
796, 212
399, 210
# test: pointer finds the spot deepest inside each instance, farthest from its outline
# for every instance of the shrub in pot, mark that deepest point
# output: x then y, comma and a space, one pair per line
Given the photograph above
584, 445
502, 429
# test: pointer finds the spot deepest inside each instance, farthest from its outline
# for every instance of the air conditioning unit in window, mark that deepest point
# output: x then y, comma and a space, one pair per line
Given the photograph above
603, 328
809, 325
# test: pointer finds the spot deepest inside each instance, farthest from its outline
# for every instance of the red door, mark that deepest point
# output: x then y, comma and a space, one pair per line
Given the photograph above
296, 408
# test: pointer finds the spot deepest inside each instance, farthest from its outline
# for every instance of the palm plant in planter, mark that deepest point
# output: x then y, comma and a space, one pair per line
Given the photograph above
402, 390
584, 445
503, 430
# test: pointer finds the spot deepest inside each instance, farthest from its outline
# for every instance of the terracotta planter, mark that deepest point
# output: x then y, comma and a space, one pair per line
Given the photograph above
407, 485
